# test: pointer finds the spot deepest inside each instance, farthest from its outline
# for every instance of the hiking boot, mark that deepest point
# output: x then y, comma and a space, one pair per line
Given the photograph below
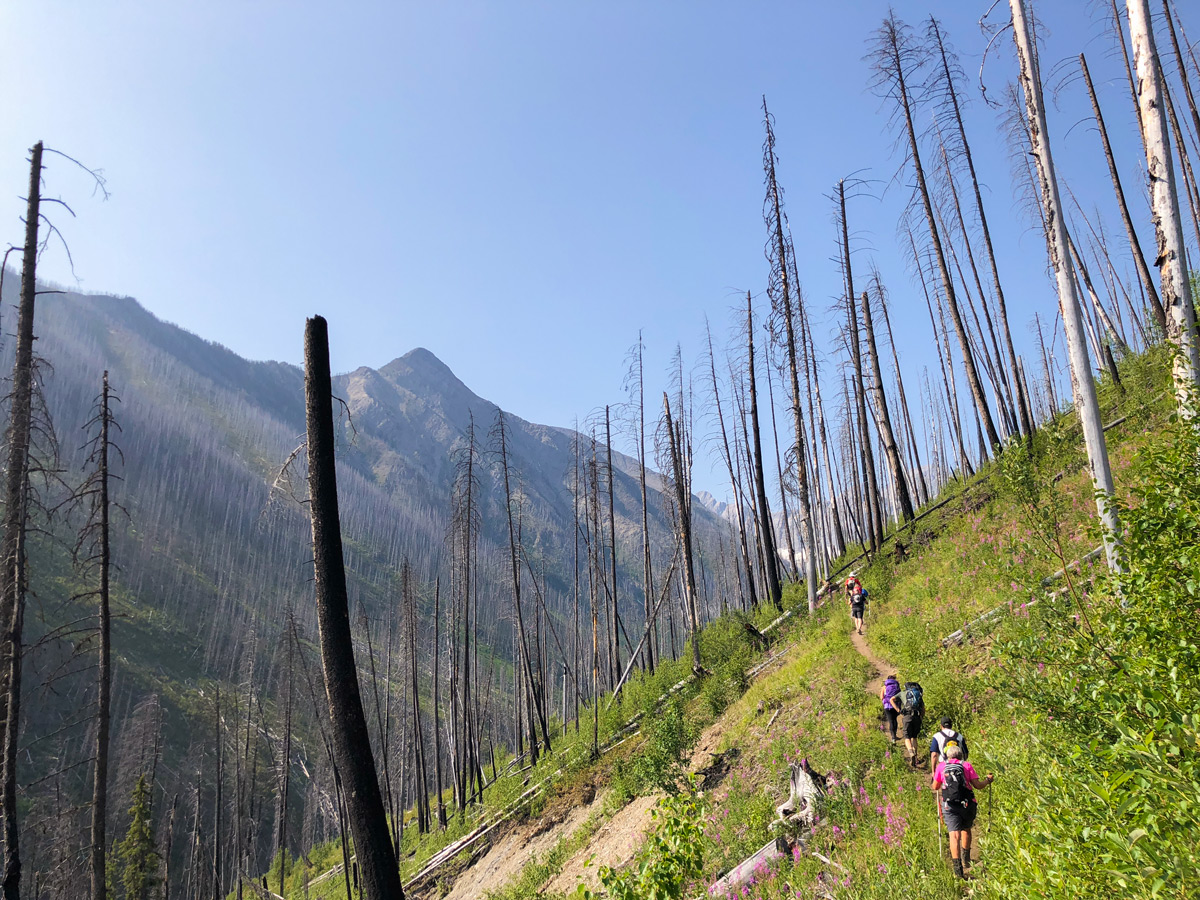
957, 865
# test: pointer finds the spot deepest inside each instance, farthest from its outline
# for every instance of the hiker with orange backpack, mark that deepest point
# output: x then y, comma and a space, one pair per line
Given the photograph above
955, 781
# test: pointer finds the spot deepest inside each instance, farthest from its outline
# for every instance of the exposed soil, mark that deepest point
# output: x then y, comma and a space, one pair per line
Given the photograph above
613, 845
875, 685
509, 854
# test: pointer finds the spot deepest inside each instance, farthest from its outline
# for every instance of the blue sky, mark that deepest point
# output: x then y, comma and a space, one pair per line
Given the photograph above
519, 187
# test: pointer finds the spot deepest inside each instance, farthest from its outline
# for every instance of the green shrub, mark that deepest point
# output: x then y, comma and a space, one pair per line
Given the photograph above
1111, 798
658, 762
668, 863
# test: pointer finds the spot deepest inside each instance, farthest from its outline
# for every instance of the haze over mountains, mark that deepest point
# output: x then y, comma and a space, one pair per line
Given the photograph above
211, 558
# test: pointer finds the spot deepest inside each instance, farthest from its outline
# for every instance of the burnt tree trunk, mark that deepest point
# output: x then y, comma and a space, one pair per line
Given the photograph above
885, 420
350, 739
104, 661
766, 529
1135, 245
12, 552
893, 60
675, 442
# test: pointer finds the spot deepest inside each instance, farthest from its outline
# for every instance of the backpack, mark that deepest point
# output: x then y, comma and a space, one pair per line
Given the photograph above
945, 742
914, 701
954, 783
891, 688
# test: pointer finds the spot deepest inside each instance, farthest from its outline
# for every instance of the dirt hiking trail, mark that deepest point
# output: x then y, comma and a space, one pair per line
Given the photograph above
875, 685
617, 840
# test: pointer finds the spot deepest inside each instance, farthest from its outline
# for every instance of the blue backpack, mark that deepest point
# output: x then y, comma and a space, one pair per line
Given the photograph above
914, 700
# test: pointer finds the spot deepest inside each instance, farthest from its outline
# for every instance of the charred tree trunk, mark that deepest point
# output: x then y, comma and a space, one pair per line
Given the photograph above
734, 481
892, 65
922, 487
1135, 246
285, 759
766, 529
351, 742
839, 537
675, 442
794, 575
12, 562
104, 662
887, 436
1001, 307
523, 646
781, 290
437, 703
617, 627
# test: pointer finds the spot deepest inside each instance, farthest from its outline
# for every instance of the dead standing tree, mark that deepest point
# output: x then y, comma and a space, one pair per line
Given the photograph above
783, 307
93, 550
1086, 401
676, 443
886, 435
351, 742
946, 85
734, 482
897, 60
1164, 203
766, 528
12, 550
634, 381
1135, 246
531, 705
874, 519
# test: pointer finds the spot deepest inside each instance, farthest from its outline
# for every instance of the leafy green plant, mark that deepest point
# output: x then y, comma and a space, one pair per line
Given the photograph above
658, 763
670, 860
1112, 798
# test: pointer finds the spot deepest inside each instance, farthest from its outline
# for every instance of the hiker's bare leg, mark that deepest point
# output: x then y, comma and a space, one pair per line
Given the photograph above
966, 848
955, 836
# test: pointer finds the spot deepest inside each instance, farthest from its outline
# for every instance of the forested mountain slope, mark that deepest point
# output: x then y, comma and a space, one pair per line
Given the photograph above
214, 555
205, 434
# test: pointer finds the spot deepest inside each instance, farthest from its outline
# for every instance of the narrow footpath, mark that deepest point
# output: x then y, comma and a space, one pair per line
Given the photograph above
875, 685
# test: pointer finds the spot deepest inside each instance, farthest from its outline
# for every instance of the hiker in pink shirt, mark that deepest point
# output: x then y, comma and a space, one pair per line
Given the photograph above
955, 781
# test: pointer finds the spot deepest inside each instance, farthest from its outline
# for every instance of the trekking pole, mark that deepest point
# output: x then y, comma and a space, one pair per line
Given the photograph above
989, 831
938, 825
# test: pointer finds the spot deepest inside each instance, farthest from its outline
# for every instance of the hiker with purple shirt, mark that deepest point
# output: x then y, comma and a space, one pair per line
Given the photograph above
955, 781
889, 696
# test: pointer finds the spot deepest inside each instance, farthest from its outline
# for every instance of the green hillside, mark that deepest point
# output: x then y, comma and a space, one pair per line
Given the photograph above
1080, 694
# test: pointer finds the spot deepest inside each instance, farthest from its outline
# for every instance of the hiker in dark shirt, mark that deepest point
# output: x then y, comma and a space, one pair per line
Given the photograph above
912, 707
955, 781
858, 606
943, 740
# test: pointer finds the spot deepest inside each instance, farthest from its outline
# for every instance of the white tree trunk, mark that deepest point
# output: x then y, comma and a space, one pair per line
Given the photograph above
1174, 287
1086, 402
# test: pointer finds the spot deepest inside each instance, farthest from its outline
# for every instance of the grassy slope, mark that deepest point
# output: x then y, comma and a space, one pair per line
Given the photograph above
879, 826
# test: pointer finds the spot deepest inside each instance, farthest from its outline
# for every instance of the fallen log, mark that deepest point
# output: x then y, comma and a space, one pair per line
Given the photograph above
959, 636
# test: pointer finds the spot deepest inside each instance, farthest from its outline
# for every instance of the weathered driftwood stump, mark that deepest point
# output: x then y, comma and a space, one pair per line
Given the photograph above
797, 815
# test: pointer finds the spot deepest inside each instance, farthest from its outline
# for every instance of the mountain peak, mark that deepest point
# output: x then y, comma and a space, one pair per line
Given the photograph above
421, 363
